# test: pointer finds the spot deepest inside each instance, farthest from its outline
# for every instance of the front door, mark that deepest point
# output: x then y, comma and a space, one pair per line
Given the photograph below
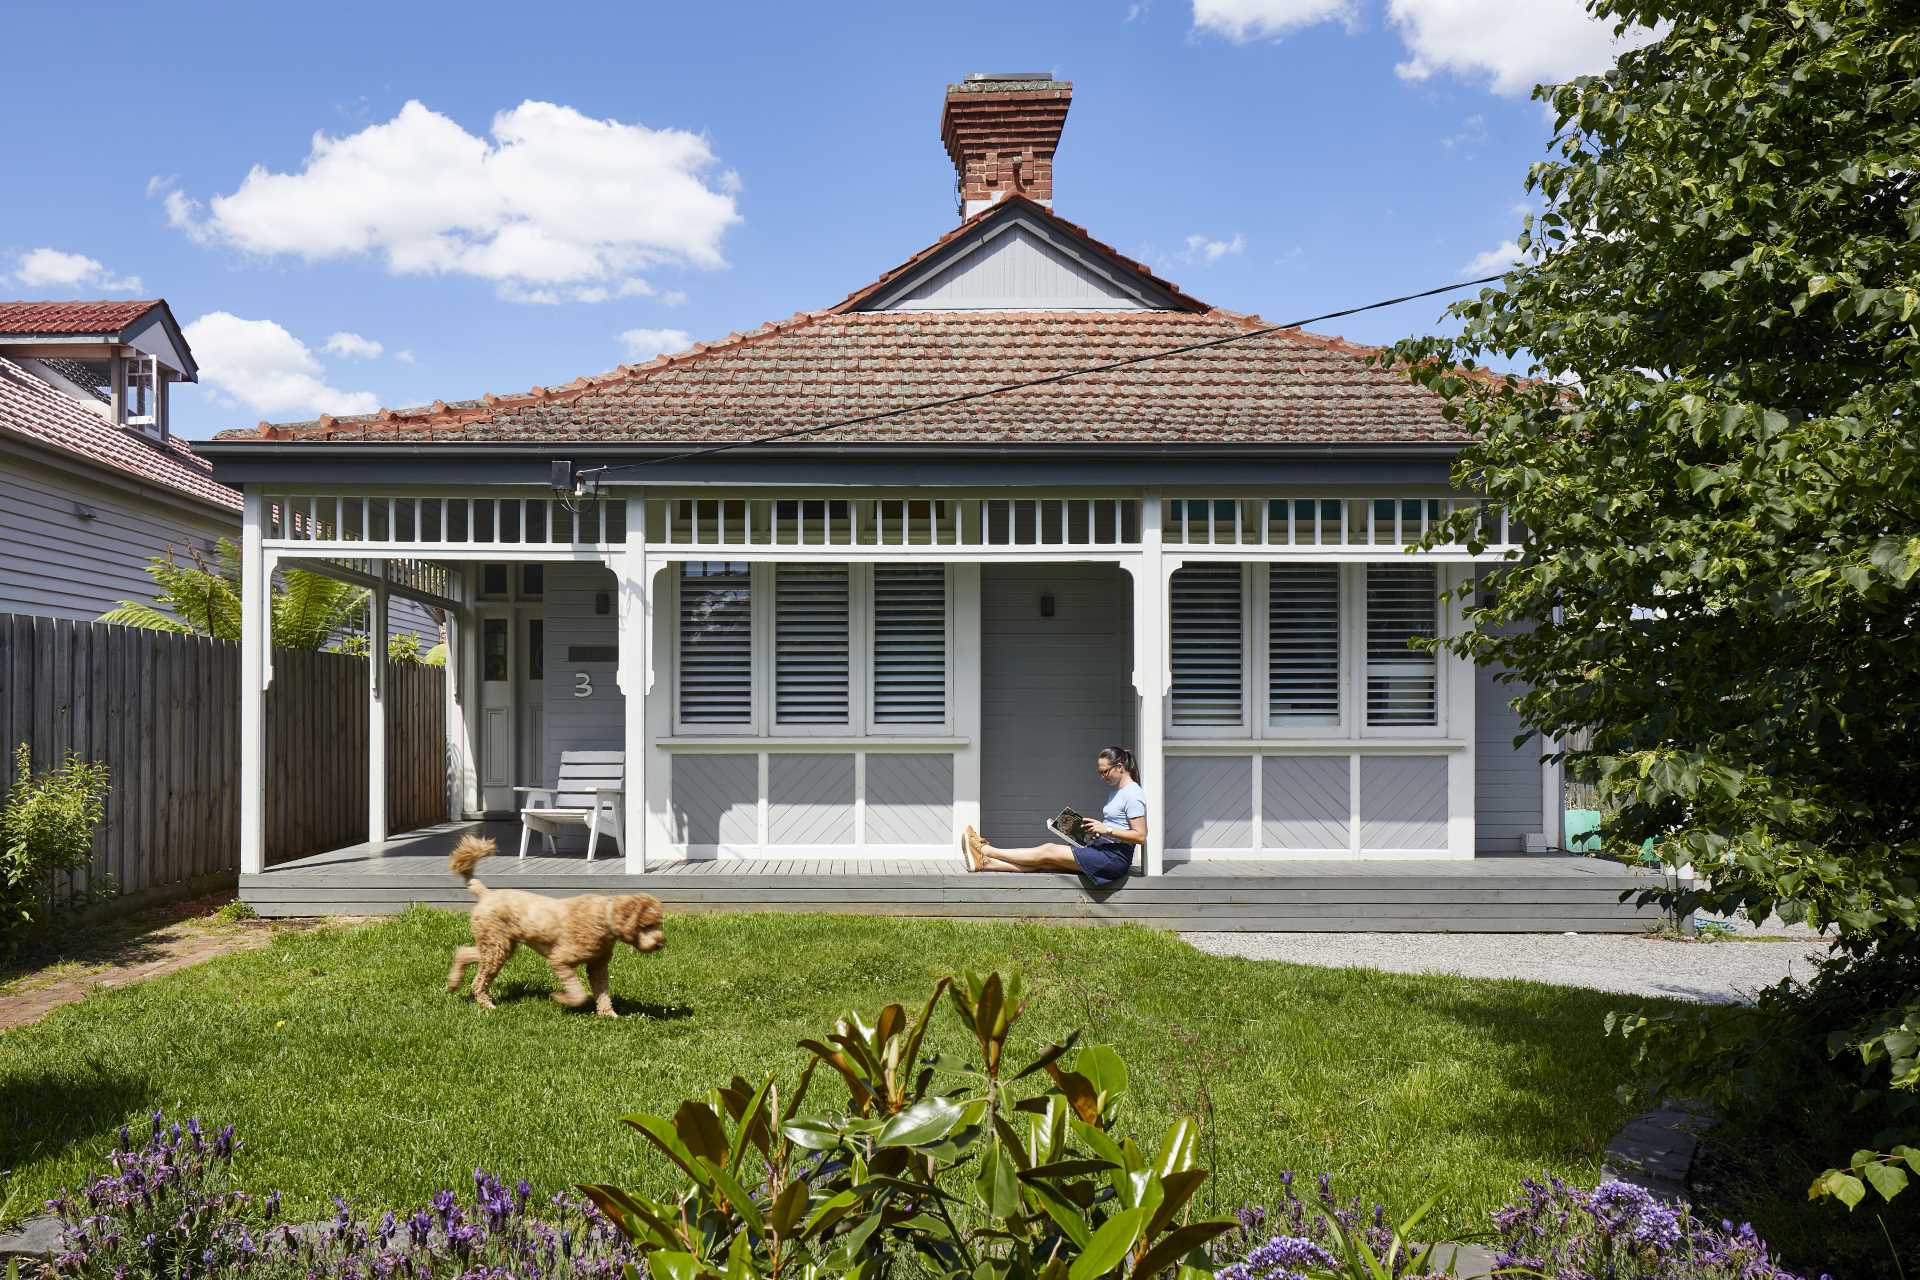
498, 759
512, 704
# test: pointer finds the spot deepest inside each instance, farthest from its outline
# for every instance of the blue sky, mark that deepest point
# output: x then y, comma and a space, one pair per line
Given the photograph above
696, 170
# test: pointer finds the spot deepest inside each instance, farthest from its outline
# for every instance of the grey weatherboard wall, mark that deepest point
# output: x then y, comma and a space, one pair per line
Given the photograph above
909, 798
1053, 691
1507, 801
61, 564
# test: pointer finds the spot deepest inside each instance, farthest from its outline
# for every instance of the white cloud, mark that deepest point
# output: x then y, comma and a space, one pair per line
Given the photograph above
258, 364
1138, 9
404, 357
1512, 44
1472, 132
1502, 256
645, 344
352, 346
53, 269
1202, 249
1244, 20
553, 204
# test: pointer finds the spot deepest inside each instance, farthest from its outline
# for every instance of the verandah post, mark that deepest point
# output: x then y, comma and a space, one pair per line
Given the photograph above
636, 629
253, 643
1150, 676
377, 705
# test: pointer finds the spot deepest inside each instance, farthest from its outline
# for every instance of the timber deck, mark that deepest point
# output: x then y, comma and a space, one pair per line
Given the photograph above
1505, 894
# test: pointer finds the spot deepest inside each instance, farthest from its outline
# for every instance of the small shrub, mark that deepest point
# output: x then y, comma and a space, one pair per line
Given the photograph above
1620, 1231
168, 1211
1328, 1236
46, 830
942, 1171
236, 911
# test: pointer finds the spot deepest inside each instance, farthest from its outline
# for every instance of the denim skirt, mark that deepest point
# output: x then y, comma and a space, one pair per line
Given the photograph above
1105, 862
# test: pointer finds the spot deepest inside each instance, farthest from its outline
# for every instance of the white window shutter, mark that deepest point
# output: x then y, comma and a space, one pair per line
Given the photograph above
909, 644
1303, 644
1403, 686
812, 620
716, 643
1209, 649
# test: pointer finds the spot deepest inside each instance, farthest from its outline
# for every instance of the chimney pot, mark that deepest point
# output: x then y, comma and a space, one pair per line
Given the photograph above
1001, 130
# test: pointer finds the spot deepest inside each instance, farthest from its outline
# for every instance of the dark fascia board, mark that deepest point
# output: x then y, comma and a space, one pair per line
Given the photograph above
1145, 291
192, 372
241, 463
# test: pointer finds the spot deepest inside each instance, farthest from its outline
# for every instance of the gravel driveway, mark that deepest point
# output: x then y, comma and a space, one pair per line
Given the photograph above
1724, 972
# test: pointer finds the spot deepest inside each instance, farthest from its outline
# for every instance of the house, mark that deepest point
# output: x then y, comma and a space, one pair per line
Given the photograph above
93, 482
842, 584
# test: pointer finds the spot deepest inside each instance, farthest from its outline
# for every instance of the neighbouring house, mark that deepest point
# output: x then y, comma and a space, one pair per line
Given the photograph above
93, 483
832, 595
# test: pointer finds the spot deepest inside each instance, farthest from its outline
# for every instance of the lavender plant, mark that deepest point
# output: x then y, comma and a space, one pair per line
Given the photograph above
1619, 1230
168, 1211
1297, 1237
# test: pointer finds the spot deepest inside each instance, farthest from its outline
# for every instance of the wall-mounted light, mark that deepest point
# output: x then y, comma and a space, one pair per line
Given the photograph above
1046, 604
82, 511
602, 602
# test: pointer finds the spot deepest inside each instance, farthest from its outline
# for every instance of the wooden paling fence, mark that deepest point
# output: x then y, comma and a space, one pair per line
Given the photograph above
163, 712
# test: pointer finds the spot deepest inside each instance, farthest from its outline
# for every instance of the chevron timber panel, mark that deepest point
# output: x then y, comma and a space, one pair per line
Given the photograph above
1306, 802
809, 798
909, 798
1209, 802
1403, 802
716, 799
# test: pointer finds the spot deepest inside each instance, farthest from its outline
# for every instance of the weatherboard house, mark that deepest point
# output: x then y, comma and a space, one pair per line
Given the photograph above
810, 660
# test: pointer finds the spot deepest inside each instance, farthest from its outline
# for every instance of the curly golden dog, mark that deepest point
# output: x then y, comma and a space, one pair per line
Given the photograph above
569, 932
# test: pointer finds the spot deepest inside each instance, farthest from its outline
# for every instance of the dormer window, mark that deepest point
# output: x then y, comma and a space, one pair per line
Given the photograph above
142, 391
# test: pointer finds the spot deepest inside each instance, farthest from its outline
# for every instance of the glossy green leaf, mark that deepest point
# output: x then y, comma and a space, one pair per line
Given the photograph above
926, 1121
1177, 1244
1108, 1246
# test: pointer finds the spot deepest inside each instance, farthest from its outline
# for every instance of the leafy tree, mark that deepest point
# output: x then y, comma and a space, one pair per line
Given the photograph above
203, 598
1717, 471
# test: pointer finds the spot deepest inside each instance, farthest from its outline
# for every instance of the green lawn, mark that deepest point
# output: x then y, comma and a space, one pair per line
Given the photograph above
346, 1067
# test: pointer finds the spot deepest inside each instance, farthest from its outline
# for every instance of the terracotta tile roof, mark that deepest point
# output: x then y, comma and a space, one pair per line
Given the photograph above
1287, 387
34, 411
71, 317
822, 367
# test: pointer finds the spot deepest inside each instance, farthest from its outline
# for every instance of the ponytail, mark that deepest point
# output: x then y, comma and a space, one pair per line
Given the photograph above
1124, 758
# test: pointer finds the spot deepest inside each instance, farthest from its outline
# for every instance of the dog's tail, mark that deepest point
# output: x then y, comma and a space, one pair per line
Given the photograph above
466, 855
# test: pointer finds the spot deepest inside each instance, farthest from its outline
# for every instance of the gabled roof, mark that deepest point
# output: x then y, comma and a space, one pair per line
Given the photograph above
849, 361
30, 319
31, 410
1128, 274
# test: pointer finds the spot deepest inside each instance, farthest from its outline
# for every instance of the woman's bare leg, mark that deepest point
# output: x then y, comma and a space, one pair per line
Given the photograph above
1043, 857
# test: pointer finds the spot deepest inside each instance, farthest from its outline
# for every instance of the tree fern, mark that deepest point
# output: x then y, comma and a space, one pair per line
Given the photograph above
203, 598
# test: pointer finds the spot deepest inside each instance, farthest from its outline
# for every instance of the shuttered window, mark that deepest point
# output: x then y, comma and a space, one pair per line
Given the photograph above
1209, 650
1403, 685
909, 645
812, 621
1303, 645
716, 643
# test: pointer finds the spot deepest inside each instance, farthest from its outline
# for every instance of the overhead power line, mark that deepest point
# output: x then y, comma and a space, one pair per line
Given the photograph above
595, 474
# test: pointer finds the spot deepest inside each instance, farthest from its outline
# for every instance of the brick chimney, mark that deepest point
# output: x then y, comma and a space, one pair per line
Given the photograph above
1001, 130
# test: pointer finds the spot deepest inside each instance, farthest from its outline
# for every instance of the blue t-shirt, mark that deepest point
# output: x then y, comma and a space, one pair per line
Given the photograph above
1127, 803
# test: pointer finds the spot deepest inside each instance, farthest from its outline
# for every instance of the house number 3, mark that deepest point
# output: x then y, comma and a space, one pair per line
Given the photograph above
582, 684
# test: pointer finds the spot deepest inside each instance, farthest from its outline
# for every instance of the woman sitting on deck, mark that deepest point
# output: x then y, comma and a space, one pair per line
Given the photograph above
1106, 861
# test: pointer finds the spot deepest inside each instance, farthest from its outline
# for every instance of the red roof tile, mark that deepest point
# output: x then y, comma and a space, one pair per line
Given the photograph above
71, 317
1286, 387
34, 411
825, 367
